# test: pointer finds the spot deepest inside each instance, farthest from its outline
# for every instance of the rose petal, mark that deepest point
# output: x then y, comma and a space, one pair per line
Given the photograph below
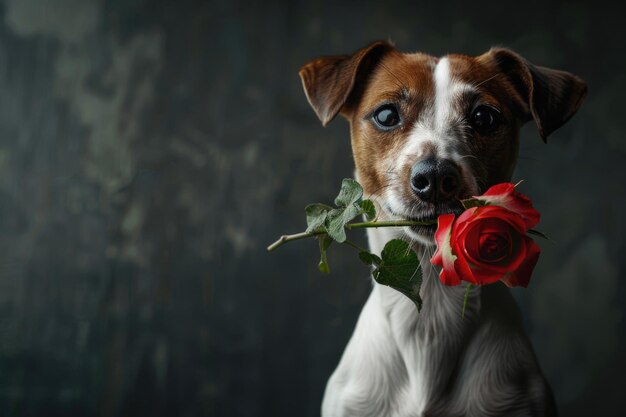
504, 188
484, 276
465, 219
442, 237
462, 267
501, 213
444, 256
521, 276
504, 195
449, 277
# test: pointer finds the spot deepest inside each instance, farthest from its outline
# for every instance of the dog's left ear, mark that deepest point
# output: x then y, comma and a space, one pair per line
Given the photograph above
550, 97
330, 80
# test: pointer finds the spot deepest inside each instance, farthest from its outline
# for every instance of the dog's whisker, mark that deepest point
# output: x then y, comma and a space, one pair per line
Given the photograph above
399, 83
487, 80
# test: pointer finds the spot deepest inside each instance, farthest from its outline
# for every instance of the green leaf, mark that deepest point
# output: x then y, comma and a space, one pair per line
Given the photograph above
336, 219
324, 242
472, 202
350, 193
369, 258
368, 209
316, 216
400, 269
537, 233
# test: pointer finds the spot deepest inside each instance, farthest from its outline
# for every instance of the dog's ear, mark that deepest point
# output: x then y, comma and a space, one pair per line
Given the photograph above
550, 97
328, 81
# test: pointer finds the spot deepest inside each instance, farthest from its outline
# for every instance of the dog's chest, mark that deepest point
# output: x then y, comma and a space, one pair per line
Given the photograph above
426, 343
411, 396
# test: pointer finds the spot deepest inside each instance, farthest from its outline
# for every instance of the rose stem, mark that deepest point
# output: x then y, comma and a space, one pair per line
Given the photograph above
399, 223
467, 291
288, 238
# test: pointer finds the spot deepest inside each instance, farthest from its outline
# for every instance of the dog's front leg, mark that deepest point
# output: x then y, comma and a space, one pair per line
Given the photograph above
371, 371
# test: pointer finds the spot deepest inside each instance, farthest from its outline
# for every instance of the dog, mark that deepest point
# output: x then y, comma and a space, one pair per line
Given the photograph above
427, 132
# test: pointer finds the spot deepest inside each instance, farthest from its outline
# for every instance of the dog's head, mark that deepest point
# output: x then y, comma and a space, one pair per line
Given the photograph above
428, 132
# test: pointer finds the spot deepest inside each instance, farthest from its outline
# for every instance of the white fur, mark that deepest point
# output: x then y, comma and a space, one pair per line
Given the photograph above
445, 89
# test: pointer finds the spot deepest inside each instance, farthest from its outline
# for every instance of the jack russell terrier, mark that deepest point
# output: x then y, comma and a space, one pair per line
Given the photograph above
427, 132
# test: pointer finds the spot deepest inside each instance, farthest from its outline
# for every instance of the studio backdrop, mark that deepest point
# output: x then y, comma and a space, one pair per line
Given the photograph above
151, 150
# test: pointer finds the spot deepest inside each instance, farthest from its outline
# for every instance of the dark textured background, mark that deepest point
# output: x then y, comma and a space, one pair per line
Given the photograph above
149, 151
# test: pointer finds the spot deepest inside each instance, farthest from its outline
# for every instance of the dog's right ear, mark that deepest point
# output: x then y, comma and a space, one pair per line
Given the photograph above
328, 81
551, 97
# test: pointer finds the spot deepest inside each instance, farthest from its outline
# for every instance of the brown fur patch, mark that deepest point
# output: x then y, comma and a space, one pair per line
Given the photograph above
405, 80
494, 155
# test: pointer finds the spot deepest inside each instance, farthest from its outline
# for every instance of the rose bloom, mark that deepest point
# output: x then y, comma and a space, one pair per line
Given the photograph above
489, 243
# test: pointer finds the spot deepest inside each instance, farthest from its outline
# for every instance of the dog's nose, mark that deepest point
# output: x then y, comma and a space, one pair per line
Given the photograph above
435, 180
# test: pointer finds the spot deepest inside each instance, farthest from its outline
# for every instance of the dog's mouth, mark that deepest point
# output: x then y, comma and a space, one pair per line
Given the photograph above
428, 216
430, 219
429, 226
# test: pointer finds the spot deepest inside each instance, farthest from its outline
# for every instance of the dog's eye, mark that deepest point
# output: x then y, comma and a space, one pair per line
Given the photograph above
386, 117
485, 118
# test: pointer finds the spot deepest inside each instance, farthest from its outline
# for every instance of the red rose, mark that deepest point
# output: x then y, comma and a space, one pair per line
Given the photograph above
486, 244
504, 195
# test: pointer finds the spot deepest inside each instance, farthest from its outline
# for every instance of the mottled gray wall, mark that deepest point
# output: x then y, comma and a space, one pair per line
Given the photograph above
149, 151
